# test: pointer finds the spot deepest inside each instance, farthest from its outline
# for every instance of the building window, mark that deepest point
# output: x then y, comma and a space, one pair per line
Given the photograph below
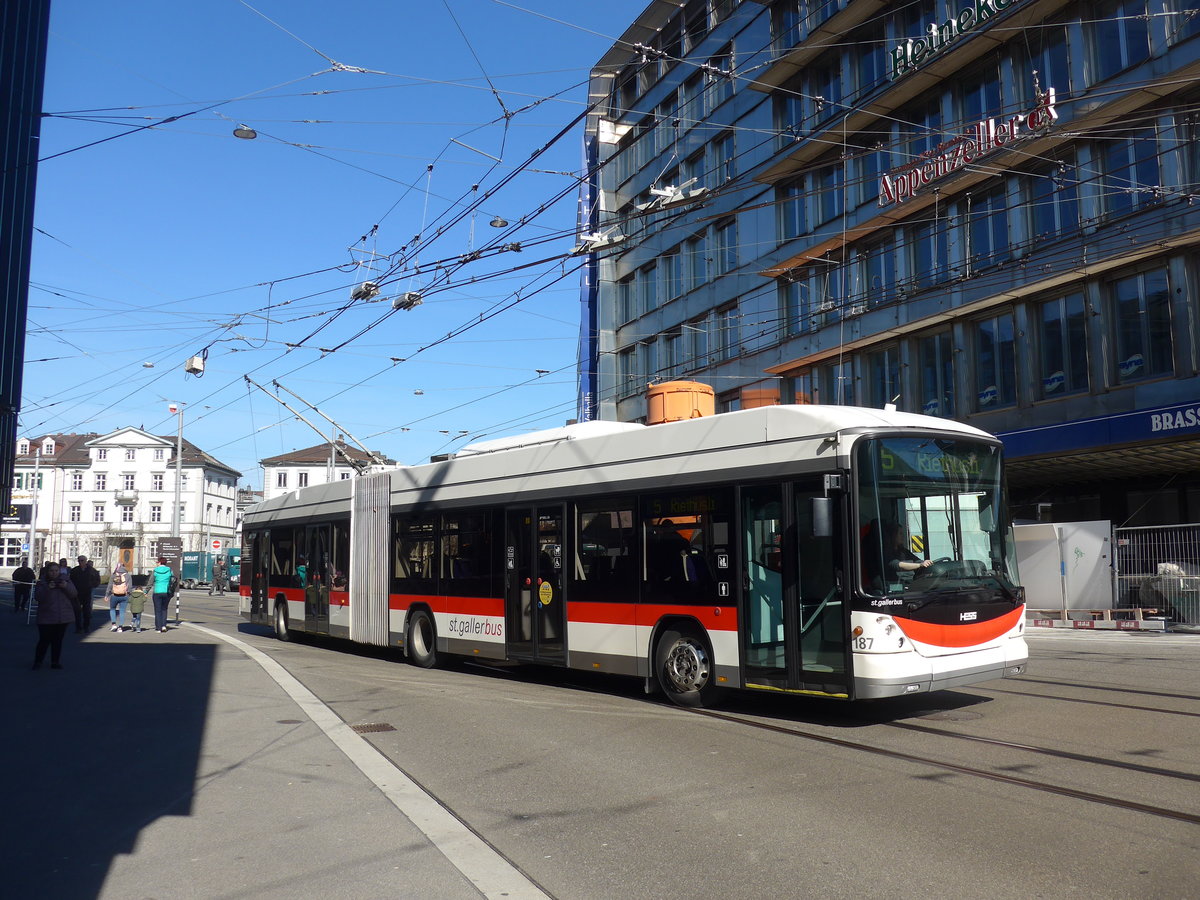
725, 337
77, 481
126, 513
988, 229
1120, 35
48, 448
825, 86
695, 23
76, 513
834, 384
156, 482
650, 361
97, 549
877, 274
929, 253
1130, 166
72, 549
101, 481
98, 512
22, 448
788, 105
793, 307
870, 64
671, 361
792, 221
1062, 342
1141, 317
828, 185
301, 479
697, 337
725, 252
995, 363
670, 269
719, 86
127, 482
182, 512
787, 28
345, 476
647, 282
1044, 50
102, 454
625, 300
979, 94
1183, 20
1053, 203
936, 361
281, 479
156, 512
883, 377
721, 160
626, 373
130, 454
697, 256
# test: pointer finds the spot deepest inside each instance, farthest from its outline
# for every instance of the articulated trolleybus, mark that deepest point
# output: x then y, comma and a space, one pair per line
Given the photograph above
834, 551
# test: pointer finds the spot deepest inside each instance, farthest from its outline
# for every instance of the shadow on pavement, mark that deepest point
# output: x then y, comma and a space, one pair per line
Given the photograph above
95, 752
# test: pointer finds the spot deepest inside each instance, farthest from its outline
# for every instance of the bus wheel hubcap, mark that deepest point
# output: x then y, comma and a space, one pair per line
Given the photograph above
687, 666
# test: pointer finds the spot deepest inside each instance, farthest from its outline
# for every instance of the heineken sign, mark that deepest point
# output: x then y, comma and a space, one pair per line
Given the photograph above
956, 154
915, 52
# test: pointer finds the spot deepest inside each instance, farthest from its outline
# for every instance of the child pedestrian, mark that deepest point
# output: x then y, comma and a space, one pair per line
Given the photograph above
137, 602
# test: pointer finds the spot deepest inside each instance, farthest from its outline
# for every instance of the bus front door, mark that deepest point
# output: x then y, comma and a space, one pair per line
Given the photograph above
256, 571
533, 579
795, 634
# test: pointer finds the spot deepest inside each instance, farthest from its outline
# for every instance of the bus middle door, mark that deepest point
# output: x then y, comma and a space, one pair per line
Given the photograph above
533, 577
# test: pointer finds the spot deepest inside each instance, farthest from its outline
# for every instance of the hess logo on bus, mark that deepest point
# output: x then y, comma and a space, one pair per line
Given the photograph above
967, 616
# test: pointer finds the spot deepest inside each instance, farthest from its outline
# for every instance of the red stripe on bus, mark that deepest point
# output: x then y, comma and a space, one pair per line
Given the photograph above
964, 635
469, 606
714, 618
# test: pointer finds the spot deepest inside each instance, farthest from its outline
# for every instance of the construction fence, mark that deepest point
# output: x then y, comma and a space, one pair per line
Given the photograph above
1159, 567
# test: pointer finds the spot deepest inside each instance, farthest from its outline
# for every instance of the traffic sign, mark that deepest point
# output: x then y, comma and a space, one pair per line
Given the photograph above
216, 544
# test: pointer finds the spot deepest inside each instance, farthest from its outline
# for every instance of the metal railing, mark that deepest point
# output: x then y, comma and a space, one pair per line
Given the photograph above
1159, 566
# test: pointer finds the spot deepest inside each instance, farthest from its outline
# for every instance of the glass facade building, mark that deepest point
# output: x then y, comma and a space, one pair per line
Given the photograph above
978, 209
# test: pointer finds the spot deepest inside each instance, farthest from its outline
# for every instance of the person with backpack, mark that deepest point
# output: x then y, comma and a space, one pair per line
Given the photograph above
161, 579
117, 596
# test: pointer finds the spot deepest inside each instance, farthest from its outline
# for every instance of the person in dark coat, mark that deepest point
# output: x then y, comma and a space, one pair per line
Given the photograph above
55, 611
86, 579
23, 579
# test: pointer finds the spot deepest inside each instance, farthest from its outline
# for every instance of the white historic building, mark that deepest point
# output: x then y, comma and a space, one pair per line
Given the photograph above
313, 465
94, 494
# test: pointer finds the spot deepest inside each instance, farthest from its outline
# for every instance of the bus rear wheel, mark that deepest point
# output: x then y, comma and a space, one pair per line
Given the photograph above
683, 666
281, 623
421, 643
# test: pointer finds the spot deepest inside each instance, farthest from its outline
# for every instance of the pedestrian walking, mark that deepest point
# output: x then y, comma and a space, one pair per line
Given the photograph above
117, 596
219, 577
162, 577
86, 579
23, 579
54, 593
137, 602
65, 568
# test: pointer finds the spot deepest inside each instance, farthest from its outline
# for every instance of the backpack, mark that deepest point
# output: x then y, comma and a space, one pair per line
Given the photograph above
120, 586
173, 585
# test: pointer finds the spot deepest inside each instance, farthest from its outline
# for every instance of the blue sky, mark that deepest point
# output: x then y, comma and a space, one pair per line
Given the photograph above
165, 240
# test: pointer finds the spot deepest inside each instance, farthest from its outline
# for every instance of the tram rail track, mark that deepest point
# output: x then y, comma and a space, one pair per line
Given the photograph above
946, 765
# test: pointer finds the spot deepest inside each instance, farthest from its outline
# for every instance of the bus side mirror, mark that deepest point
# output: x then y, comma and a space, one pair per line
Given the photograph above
822, 517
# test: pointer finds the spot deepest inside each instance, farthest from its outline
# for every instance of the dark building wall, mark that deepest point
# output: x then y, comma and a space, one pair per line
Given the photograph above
24, 26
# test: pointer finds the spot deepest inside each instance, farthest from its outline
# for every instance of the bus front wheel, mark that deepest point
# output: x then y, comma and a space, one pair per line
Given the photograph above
421, 645
683, 665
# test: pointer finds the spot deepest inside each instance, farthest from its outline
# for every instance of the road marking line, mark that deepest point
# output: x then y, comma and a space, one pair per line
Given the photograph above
492, 874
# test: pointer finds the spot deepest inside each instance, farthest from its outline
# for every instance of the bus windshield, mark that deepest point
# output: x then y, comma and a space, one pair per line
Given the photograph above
932, 517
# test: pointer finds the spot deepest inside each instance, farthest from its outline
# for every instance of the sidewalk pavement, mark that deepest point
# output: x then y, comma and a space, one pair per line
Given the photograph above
171, 765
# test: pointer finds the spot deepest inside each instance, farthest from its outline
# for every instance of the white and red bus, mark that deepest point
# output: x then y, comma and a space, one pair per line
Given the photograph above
837, 551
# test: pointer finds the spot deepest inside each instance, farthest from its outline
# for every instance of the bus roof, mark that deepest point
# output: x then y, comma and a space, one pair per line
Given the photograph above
602, 457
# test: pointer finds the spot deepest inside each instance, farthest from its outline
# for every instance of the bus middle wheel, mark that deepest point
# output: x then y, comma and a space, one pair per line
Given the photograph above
684, 668
281, 622
421, 643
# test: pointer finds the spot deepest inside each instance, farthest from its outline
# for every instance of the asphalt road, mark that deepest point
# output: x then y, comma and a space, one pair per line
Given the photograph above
176, 765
